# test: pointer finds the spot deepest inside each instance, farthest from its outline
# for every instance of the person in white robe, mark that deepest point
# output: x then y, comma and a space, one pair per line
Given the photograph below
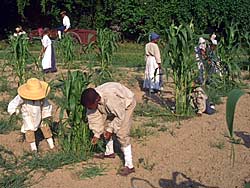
152, 80
47, 53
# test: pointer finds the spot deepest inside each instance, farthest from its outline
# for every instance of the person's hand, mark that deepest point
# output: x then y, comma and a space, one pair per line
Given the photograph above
107, 135
40, 56
94, 140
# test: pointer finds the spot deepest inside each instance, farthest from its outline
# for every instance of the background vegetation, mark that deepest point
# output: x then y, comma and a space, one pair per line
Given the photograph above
131, 18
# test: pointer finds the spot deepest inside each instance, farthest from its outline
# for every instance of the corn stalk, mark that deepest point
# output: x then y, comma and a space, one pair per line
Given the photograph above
66, 49
229, 50
19, 56
106, 44
179, 55
74, 134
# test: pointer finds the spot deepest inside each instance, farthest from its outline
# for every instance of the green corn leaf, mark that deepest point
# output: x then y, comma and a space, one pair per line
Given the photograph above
232, 100
247, 185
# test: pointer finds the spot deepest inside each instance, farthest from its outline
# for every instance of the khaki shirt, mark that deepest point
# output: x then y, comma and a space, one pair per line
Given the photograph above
110, 113
152, 49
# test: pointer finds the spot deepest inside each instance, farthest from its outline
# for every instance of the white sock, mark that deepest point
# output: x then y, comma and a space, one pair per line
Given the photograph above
59, 34
51, 143
33, 146
109, 147
128, 156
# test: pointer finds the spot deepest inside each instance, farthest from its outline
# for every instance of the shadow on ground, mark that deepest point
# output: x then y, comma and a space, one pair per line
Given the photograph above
164, 98
179, 180
245, 137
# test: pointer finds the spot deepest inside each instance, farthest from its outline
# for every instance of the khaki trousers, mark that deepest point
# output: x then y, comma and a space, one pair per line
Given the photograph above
123, 134
30, 135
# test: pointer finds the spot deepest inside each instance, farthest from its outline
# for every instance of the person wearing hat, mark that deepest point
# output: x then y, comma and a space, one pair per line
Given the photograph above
109, 111
201, 59
35, 109
153, 64
47, 52
19, 31
213, 58
66, 24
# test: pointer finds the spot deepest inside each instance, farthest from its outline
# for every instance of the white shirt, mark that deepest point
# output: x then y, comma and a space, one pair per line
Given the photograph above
32, 112
20, 33
46, 41
66, 22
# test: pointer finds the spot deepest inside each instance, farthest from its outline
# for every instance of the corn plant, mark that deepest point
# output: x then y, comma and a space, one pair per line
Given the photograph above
232, 100
229, 50
74, 134
106, 44
179, 54
19, 56
66, 49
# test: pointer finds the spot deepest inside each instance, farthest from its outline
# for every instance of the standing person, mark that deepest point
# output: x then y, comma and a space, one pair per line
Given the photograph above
215, 60
201, 58
35, 110
66, 24
19, 31
109, 110
153, 64
48, 53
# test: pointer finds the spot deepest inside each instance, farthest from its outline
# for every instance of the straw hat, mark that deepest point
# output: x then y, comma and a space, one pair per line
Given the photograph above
34, 89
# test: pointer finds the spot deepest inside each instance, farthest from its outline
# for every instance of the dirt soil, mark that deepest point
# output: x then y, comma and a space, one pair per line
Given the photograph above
192, 154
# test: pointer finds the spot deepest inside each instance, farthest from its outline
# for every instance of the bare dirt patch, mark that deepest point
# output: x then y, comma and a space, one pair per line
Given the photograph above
195, 153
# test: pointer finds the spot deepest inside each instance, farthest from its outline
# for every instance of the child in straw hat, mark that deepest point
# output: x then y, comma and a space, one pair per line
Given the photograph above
35, 109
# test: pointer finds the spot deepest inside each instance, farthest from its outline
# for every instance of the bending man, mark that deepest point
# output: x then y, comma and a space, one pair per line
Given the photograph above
109, 110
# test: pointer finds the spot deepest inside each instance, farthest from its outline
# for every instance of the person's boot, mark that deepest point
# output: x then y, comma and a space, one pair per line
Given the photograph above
126, 171
128, 168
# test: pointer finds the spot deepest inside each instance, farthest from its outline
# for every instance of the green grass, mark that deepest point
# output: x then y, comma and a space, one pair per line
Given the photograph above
145, 164
141, 133
151, 124
48, 162
8, 125
15, 171
153, 110
91, 171
4, 84
218, 144
14, 180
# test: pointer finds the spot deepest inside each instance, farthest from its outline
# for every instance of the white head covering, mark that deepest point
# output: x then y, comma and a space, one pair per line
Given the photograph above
202, 43
201, 40
213, 40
